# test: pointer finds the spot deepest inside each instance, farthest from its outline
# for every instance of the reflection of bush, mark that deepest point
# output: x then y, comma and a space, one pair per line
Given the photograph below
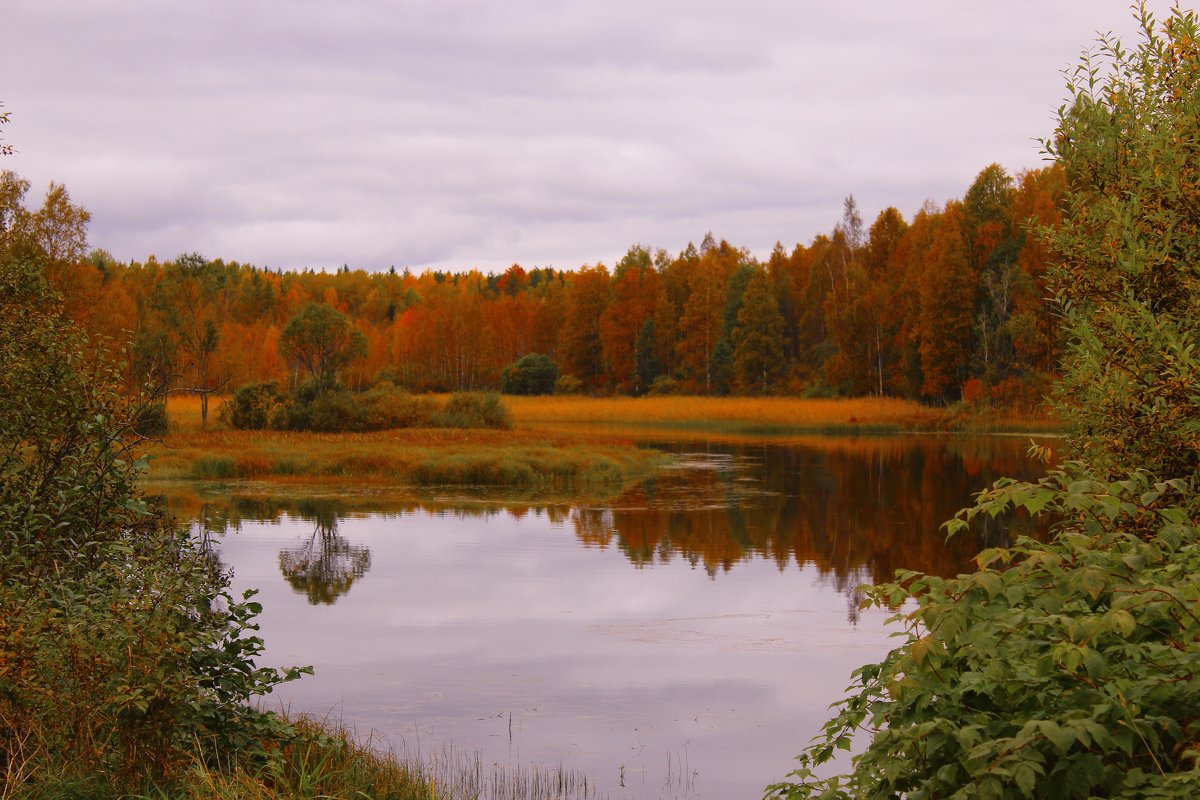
326, 566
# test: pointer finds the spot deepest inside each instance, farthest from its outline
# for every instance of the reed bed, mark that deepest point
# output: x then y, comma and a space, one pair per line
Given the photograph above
464, 775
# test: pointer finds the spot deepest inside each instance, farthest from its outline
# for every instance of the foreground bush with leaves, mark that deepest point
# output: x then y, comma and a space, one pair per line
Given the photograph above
1062, 669
122, 651
1071, 668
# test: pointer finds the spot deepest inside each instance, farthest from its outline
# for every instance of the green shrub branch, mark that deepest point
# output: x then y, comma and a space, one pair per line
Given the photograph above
1071, 668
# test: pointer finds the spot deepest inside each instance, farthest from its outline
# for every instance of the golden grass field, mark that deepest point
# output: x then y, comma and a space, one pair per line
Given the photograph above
580, 444
641, 417
730, 412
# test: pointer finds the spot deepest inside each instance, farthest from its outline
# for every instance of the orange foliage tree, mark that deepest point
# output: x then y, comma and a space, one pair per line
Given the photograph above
907, 308
637, 291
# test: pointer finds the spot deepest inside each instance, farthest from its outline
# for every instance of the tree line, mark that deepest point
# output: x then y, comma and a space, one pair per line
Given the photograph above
948, 305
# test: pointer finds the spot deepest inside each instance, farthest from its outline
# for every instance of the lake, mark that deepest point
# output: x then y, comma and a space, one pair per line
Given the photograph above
683, 639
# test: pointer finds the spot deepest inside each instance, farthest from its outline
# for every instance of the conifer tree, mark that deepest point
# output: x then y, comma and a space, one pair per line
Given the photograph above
587, 297
758, 359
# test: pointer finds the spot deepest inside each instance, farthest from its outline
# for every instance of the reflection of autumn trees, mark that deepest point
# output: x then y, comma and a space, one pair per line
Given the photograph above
857, 509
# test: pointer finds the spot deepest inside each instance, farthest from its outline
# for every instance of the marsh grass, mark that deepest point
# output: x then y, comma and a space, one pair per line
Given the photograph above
324, 760
748, 416
419, 457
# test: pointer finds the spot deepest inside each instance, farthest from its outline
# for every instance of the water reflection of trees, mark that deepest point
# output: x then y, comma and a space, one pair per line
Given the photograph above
857, 509
326, 565
322, 567
228, 513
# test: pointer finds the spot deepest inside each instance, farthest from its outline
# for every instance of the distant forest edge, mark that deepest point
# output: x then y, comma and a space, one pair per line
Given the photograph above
950, 305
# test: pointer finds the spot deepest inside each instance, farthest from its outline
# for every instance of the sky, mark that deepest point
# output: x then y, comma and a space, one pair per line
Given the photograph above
457, 135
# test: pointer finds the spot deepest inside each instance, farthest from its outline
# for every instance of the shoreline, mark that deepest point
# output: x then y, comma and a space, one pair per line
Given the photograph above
559, 446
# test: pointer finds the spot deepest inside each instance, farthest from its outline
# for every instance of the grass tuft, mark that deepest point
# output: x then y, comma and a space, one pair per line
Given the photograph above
213, 468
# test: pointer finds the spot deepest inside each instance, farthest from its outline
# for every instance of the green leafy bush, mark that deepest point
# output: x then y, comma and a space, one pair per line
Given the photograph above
253, 406
1064, 669
310, 407
332, 412
386, 406
530, 374
1068, 669
121, 649
568, 384
1128, 273
383, 407
665, 385
152, 420
473, 410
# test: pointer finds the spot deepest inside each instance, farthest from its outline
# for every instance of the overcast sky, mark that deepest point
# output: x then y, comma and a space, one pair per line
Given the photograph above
455, 135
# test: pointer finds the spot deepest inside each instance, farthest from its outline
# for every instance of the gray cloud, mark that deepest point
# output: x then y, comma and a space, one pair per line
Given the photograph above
457, 134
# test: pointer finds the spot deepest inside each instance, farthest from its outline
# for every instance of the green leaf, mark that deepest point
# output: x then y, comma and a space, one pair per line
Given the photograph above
1093, 581
1123, 621
1039, 500
990, 582
1025, 777
1062, 738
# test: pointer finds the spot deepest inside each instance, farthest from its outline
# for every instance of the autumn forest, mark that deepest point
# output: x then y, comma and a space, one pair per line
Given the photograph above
946, 305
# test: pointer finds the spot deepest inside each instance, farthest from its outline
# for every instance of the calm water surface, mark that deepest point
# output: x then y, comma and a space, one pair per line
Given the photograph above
683, 640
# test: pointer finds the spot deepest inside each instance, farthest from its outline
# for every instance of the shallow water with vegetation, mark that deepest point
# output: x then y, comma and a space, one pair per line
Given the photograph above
681, 640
